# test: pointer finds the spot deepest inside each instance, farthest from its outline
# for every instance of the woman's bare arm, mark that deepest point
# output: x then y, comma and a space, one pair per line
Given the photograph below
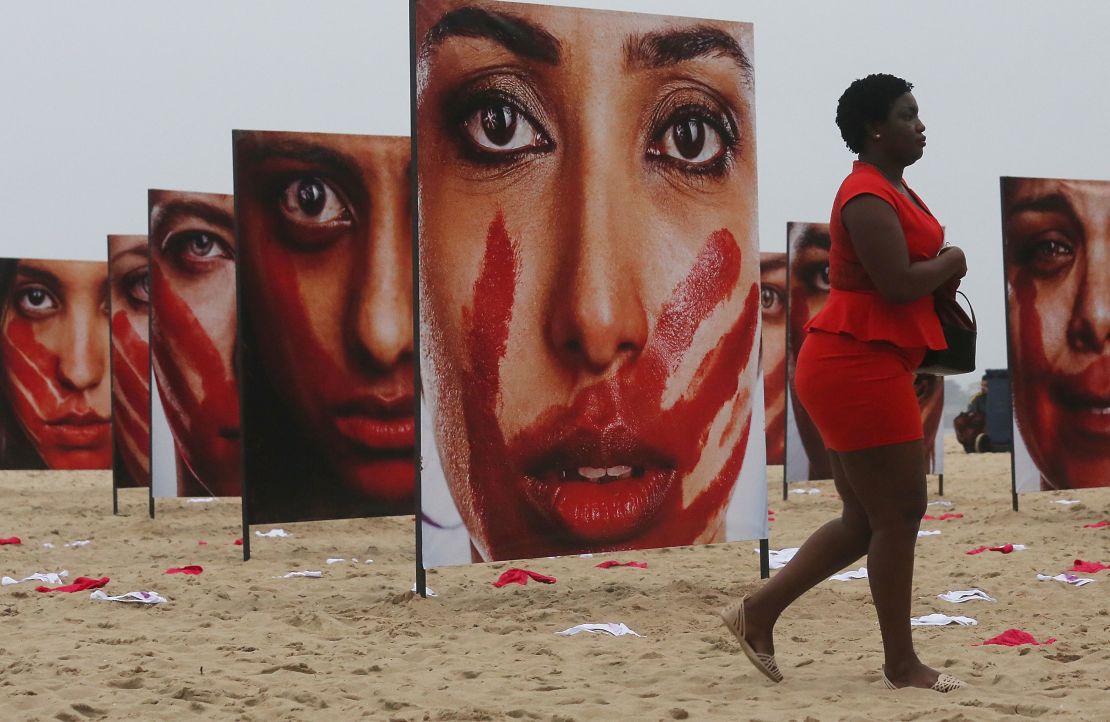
881, 247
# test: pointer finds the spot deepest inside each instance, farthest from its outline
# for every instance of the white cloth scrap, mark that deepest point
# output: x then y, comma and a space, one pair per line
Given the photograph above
618, 629
48, 577
931, 532
273, 533
429, 590
79, 543
805, 491
860, 573
335, 561
779, 557
941, 502
939, 620
201, 500
47, 545
966, 595
306, 573
1066, 578
1066, 502
134, 597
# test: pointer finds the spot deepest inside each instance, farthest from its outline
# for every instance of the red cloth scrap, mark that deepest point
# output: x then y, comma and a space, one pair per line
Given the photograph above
11, 540
1097, 525
1005, 549
614, 563
1088, 567
521, 576
942, 517
201, 542
79, 585
239, 542
1016, 638
191, 569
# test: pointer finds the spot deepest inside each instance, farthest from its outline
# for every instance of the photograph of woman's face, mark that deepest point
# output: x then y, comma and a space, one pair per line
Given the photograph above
772, 297
193, 327
808, 245
54, 361
1057, 254
808, 281
326, 228
589, 272
129, 278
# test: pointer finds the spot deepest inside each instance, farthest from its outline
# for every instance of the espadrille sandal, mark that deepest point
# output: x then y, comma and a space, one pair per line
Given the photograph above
945, 683
733, 617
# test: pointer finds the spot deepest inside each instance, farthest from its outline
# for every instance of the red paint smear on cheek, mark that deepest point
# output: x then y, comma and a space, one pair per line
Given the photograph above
508, 526
37, 397
131, 377
775, 409
486, 326
205, 421
1034, 411
34, 368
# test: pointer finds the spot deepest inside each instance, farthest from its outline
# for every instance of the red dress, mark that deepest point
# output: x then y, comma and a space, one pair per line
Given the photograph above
854, 373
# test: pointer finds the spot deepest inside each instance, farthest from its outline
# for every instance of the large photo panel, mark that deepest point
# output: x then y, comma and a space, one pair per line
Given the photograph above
195, 415
129, 310
1056, 250
773, 300
55, 390
589, 281
807, 250
324, 223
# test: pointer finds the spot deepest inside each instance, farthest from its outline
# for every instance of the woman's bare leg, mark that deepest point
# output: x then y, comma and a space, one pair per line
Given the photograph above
889, 482
828, 550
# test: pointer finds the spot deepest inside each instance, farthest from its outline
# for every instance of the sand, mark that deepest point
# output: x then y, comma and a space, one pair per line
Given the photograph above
238, 643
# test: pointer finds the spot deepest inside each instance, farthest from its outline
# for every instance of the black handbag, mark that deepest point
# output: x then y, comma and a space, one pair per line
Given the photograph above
959, 334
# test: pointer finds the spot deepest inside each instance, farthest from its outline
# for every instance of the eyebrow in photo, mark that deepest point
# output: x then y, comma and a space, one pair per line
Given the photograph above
1055, 202
169, 212
517, 35
813, 238
772, 264
531, 41
257, 148
38, 275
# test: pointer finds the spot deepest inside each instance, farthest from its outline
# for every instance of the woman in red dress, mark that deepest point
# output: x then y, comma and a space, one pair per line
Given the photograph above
855, 377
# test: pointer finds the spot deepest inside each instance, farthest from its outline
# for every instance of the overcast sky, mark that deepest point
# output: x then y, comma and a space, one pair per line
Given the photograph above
104, 100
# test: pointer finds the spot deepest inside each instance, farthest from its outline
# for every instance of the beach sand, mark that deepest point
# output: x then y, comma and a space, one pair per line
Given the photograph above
237, 642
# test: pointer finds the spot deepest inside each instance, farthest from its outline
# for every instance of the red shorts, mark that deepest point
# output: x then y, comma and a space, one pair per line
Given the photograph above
859, 393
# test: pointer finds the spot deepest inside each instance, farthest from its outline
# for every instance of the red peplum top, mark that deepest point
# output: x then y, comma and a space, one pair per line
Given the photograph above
854, 306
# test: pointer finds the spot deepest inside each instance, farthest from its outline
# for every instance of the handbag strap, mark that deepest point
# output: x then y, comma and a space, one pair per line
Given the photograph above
969, 308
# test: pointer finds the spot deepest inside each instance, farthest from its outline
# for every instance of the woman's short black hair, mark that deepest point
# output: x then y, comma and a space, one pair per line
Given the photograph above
867, 100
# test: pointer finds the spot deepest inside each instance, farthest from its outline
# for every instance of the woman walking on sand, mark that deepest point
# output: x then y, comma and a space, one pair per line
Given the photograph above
855, 376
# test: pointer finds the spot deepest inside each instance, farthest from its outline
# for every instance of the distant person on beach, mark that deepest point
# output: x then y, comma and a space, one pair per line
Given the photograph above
855, 377
971, 423
1057, 254
55, 393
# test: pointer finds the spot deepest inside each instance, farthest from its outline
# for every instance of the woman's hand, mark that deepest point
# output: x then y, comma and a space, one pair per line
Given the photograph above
956, 258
